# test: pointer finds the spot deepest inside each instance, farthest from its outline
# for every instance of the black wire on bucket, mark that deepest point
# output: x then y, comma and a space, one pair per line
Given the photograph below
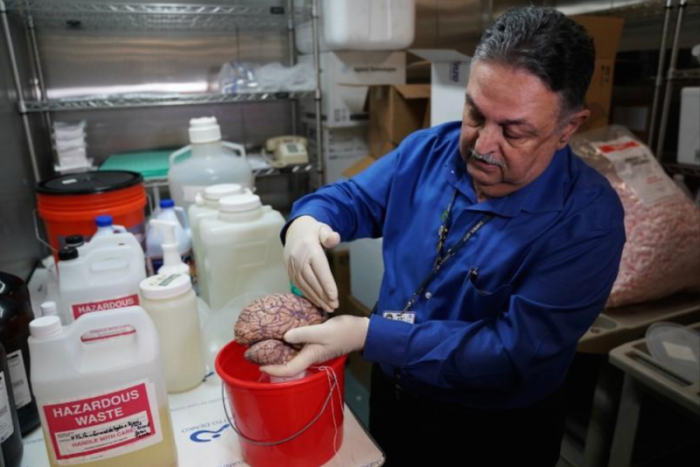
235, 428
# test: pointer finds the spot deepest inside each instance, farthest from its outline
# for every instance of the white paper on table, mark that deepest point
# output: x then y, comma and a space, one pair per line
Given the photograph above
204, 438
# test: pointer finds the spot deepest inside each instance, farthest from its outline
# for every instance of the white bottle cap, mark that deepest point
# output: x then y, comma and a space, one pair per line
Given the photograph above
216, 192
49, 309
240, 203
204, 130
45, 327
164, 286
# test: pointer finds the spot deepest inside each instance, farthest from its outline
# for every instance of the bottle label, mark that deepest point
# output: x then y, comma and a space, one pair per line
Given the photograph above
190, 192
7, 429
80, 309
110, 332
20, 382
103, 426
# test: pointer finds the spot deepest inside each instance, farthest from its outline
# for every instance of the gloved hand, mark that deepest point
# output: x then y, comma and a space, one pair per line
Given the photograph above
307, 265
337, 336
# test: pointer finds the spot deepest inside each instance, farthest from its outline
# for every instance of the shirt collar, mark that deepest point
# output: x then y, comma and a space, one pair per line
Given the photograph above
544, 194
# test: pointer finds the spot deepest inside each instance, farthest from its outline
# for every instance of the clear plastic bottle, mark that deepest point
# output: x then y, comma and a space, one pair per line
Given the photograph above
213, 162
172, 305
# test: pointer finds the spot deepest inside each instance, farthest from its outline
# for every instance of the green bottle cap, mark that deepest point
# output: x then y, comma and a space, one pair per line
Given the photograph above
295, 290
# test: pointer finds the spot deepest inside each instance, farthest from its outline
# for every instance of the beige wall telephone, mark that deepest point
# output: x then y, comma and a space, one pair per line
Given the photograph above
286, 150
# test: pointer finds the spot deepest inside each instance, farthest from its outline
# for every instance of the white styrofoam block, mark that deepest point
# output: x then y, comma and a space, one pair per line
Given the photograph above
345, 81
342, 147
448, 82
361, 25
688, 135
366, 270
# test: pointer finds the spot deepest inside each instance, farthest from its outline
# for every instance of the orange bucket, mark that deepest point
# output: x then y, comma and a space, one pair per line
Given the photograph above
291, 424
69, 204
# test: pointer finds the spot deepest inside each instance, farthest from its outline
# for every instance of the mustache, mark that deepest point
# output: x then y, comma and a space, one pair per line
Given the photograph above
488, 158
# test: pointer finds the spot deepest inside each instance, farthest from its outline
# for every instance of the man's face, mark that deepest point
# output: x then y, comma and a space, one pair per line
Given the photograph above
512, 121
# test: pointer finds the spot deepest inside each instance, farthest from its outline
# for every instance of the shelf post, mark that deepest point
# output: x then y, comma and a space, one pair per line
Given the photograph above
660, 72
18, 90
318, 94
669, 80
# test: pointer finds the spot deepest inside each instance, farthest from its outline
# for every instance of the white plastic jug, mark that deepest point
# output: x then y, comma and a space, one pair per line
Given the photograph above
155, 238
243, 260
207, 205
105, 226
100, 390
360, 25
213, 162
242, 250
105, 274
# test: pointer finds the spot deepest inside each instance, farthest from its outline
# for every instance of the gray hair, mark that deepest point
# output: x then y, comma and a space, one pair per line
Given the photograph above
546, 43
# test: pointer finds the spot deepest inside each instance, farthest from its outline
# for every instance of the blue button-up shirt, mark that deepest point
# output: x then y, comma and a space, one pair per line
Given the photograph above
500, 324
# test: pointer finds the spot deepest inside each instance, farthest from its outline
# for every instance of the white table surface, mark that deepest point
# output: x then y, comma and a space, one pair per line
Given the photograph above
199, 414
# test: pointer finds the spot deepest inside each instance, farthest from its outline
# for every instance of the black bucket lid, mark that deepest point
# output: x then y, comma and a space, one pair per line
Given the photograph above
89, 183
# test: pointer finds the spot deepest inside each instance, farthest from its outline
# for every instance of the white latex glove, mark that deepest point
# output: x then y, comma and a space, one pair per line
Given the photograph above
307, 265
337, 336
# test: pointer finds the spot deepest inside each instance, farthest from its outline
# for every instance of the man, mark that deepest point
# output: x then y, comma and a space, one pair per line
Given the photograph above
500, 248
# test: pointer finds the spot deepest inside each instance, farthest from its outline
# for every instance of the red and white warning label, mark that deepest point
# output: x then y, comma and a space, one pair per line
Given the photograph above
104, 425
80, 309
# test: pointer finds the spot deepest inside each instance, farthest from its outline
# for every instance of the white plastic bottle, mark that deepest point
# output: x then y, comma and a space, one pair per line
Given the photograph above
103, 275
207, 206
100, 391
155, 237
50, 309
171, 261
213, 162
105, 226
172, 305
243, 260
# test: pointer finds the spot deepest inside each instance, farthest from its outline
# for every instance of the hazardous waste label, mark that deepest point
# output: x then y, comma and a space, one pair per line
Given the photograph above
105, 425
80, 309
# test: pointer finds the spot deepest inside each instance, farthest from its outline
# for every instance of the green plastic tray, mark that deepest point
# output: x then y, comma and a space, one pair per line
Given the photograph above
150, 164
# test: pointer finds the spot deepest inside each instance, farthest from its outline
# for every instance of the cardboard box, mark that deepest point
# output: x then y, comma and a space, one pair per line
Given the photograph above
631, 107
606, 34
366, 270
449, 75
360, 368
342, 147
339, 261
345, 81
394, 113
359, 166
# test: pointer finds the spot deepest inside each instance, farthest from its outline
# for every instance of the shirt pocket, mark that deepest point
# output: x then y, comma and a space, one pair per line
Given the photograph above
481, 301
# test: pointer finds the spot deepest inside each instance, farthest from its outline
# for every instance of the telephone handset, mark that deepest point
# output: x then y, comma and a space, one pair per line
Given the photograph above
286, 150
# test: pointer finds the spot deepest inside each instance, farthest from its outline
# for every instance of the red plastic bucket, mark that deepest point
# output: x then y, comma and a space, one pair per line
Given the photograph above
69, 204
267, 413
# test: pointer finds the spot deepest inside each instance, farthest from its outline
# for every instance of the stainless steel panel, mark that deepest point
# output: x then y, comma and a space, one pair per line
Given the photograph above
19, 251
89, 62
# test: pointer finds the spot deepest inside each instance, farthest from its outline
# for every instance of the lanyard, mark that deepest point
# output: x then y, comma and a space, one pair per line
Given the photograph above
441, 259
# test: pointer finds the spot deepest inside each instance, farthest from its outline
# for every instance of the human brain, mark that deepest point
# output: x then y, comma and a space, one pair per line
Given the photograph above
263, 323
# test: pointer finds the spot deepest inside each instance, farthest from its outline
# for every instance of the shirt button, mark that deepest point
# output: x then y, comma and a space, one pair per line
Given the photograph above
428, 295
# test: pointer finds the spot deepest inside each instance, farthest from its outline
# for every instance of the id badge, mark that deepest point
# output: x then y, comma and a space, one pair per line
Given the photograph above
405, 316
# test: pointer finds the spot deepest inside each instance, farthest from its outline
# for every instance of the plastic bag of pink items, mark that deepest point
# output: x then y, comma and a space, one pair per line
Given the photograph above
662, 253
